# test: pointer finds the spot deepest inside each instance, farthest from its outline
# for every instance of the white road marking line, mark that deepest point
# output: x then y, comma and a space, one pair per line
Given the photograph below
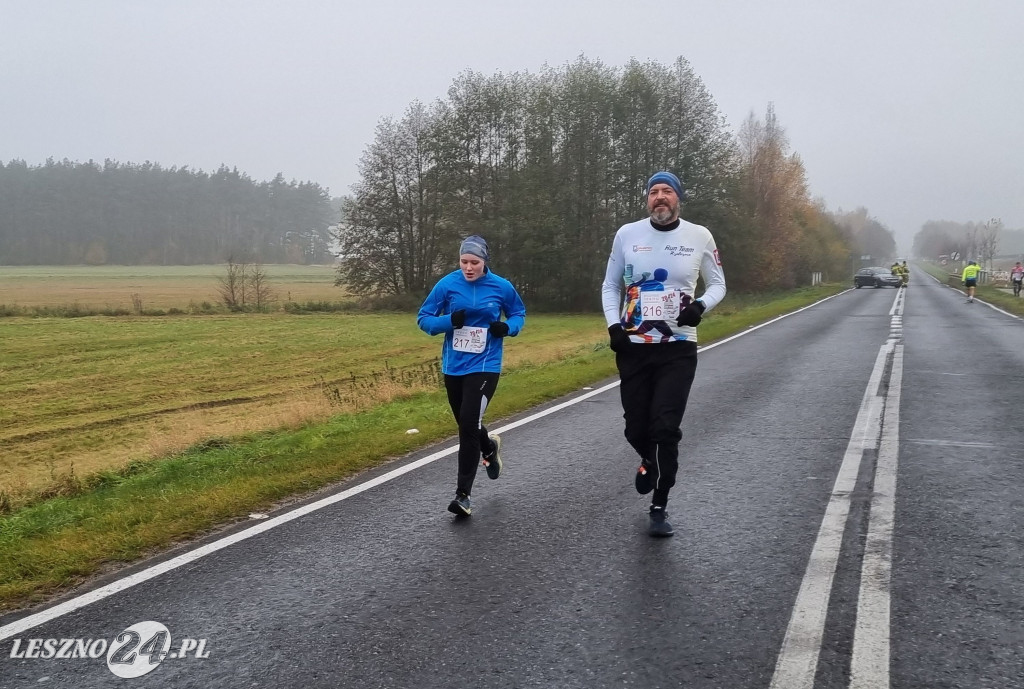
951, 443
798, 658
869, 667
991, 306
90, 597
156, 570
897, 304
996, 308
774, 320
797, 663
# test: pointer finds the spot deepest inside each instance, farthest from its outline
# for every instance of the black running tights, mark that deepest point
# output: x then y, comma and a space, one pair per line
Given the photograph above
468, 397
655, 384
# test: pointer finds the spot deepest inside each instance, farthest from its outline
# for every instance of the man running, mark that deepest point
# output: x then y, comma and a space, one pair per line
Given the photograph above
970, 279
656, 371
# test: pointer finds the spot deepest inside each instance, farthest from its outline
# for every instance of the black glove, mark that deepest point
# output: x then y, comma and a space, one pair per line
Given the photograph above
619, 339
458, 318
498, 329
691, 314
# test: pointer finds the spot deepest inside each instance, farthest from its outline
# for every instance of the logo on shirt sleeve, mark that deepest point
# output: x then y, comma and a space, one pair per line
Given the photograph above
718, 259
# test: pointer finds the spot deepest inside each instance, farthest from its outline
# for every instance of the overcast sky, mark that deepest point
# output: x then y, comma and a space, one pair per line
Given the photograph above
912, 109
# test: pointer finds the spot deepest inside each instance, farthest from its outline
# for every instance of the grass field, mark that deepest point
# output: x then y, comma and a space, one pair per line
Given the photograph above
122, 435
90, 394
158, 287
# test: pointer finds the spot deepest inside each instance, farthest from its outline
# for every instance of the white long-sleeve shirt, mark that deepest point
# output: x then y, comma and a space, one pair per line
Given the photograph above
644, 259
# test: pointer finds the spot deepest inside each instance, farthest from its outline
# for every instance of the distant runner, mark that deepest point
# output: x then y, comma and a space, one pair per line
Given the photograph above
970, 279
1016, 277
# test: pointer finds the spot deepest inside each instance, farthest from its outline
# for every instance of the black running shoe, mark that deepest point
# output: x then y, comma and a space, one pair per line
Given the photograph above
646, 477
492, 462
460, 506
660, 526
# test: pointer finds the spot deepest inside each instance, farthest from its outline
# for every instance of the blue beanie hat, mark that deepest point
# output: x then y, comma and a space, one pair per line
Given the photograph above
476, 245
666, 178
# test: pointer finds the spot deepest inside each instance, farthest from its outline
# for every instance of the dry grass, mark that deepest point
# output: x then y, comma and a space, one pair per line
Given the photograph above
189, 428
157, 287
88, 395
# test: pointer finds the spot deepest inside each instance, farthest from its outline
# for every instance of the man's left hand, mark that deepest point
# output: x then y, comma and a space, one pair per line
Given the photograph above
498, 329
691, 315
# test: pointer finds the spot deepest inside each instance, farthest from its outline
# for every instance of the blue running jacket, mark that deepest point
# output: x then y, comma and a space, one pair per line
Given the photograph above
484, 299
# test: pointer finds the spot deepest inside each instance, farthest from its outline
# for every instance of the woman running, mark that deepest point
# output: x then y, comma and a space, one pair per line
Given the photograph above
466, 305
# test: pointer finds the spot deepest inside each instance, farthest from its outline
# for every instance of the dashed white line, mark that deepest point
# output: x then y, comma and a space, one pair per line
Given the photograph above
797, 662
798, 658
869, 667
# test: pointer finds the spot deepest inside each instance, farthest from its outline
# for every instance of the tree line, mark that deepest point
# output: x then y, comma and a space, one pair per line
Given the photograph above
871, 239
978, 241
123, 213
547, 166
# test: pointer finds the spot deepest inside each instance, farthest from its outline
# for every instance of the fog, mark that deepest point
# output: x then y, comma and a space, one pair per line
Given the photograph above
914, 110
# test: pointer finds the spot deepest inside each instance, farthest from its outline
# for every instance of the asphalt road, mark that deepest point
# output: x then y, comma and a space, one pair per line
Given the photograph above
553, 581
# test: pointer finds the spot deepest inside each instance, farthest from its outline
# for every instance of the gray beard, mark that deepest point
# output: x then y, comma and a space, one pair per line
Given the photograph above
662, 215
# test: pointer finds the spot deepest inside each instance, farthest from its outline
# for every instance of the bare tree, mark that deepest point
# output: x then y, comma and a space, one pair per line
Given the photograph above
234, 285
970, 243
988, 241
260, 291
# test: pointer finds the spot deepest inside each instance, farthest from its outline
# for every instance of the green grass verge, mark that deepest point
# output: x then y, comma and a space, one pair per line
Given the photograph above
1004, 300
118, 517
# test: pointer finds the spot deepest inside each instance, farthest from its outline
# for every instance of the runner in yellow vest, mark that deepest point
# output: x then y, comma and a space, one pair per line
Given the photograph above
970, 279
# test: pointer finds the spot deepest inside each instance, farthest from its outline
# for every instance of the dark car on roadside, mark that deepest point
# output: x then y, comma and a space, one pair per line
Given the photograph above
875, 276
